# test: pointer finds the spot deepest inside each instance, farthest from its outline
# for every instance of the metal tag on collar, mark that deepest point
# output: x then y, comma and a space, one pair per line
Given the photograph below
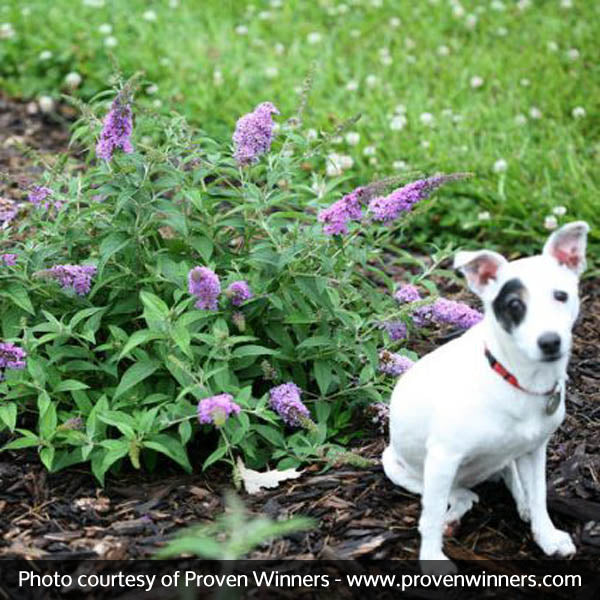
553, 401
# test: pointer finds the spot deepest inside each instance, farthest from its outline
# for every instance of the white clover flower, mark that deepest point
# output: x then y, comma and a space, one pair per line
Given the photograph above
395, 22
279, 48
521, 119
111, 41
312, 134
566, 3
552, 46
471, 21
173, 3
369, 151
502, 32
578, 112
443, 50
342, 9
333, 166
298, 89
318, 188
152, 89
157, 103
346, 162
7, 31
497, 5
573, 54
476, 81
373, 160
376, 3
425, 144
276, 3
400, 165
447, 113
410, 44
398, 122
264, 15
46, 104
271, 72
371, 80
560, 211
337, 140
352, 85
352, 138
105, 29
458, 11
523, 4
354, 33
525, 82
45, 55
314, 38
386, 60
26, 11
150, 15
427, 119
500, 166
457, 118
535, 113
241, 30
484, 215
550, 222
400, 109
73, 79
218, 78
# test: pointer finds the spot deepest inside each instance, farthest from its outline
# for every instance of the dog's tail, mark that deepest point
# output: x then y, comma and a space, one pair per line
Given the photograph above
397, 474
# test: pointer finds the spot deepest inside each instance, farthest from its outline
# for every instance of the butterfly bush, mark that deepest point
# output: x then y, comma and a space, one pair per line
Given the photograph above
205, 285
238, 292
116, 129
254, 134
11, 357
41, 197
8, 211
397, 330
448, 312
217, 409
9, 260
407, 293
285, 401
393, 364
74, 278
335, 218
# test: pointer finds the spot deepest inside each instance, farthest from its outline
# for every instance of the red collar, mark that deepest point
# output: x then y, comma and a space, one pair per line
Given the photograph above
508, 376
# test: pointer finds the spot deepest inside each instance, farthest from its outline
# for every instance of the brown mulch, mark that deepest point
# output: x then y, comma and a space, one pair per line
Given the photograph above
361, 514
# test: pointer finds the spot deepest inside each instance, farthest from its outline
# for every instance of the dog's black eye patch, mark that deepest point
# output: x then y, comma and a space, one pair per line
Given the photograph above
561, 296
509, 305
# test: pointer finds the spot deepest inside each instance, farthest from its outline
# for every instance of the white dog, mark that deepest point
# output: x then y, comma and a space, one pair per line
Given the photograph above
486, 403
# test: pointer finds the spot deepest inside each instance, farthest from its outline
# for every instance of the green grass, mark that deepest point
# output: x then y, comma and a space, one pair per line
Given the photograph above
551, 161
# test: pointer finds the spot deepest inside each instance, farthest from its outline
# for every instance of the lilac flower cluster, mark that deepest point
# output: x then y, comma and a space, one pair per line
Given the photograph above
393, 364
239, 292
76, 278
449, 312
39, 196
397, 330
390, 207
285, 401
8, 210
9, 260
254, 133
205, 285
337, 216
116, 130
217, 409
11, 357
72, 424
407, 293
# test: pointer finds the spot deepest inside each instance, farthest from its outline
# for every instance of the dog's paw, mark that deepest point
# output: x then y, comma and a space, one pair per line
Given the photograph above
437, 564
524, 512
556, 542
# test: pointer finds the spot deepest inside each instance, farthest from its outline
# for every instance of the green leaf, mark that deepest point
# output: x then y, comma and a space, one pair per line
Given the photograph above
139, 337
19, 296
134, 375
218, 454
48, 421
103, 461
322, 372
181, 336
47, 457
22, 442
69, 385
253, 350
122, 421
161, 442
8, 414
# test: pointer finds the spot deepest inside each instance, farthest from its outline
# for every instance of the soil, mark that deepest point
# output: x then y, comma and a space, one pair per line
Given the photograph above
360, 513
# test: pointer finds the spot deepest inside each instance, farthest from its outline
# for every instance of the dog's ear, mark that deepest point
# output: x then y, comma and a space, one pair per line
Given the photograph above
567, 245
480, 268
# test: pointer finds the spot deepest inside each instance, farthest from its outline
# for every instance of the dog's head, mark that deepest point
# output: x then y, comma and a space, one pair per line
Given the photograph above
533, 302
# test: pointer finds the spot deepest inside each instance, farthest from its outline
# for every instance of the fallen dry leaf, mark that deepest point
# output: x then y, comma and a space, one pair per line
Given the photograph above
255, 480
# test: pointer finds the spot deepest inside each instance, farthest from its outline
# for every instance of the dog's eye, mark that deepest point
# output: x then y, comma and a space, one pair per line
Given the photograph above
561, 296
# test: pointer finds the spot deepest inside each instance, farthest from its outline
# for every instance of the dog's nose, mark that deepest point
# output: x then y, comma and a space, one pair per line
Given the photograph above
549, 343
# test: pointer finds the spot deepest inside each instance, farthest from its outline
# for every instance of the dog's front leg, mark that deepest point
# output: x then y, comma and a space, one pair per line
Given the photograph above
532, 469
439, 473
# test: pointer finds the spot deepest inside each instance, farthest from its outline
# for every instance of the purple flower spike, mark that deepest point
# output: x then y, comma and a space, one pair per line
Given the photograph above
205, 285
75, 278
217, 409
335, 218
396, 330
11, 357
393, 364
239, 292
116, 130
285, 401
447, 312
407, 293
390, 207
9, 260
254, 134
8, 210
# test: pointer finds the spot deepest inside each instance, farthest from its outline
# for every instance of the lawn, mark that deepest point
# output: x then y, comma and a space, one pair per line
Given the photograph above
507, 90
